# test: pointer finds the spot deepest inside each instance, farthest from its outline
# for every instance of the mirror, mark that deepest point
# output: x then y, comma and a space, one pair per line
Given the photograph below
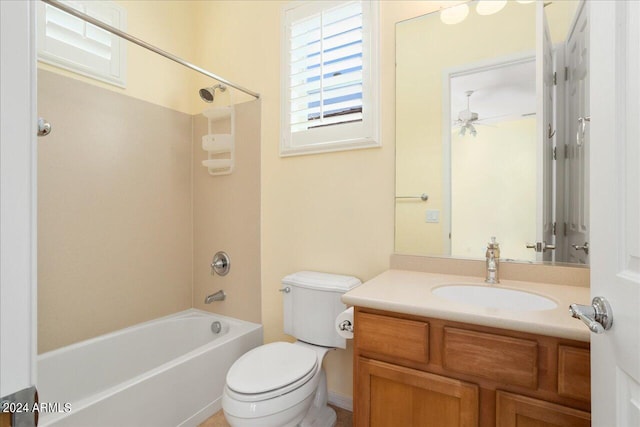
485, 130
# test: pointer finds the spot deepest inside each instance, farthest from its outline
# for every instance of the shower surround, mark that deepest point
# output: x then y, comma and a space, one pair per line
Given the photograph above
128, 219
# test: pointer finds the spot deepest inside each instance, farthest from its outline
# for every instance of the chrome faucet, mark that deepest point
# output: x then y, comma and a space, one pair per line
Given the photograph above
218, 296
493, 261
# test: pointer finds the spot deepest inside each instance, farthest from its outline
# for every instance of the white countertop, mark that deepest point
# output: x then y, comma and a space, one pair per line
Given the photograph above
409, 292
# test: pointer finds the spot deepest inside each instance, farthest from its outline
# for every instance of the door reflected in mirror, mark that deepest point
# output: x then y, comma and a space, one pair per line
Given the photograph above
485, 127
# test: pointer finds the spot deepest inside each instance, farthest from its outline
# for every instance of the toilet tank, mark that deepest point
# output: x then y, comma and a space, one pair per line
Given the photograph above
312, 304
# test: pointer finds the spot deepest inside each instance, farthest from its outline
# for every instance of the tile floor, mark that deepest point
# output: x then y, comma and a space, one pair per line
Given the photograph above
345, 419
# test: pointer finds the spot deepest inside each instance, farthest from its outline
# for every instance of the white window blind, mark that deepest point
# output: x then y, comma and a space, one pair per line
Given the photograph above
329, 90
73, 44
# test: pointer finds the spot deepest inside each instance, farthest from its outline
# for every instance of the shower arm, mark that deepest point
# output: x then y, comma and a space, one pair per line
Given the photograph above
141, 43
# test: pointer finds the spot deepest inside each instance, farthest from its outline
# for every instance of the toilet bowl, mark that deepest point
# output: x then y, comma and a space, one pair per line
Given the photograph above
277, 385
282, 384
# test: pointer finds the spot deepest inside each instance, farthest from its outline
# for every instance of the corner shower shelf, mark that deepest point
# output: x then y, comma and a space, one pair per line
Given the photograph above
218, 113
219, 146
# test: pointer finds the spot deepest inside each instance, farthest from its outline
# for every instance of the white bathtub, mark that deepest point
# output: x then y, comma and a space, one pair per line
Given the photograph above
166, 372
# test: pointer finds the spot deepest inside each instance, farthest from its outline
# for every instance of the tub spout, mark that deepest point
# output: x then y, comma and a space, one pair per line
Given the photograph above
218, 296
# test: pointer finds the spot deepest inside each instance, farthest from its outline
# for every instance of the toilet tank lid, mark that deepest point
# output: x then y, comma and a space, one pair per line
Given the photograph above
321, 281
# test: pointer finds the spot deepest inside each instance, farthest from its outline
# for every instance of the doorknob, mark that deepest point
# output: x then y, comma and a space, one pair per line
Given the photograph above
597, 316
584, 247
44, 127
582, 124
540, 246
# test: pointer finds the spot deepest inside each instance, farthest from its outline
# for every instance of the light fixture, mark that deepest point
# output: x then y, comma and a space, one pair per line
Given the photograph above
472, 130
489, 7
454, 15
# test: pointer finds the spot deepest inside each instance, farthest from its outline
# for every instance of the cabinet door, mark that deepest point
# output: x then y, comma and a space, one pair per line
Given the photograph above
513, 410
390, 395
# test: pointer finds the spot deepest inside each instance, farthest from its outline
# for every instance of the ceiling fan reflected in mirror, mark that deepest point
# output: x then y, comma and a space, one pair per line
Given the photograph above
466, 118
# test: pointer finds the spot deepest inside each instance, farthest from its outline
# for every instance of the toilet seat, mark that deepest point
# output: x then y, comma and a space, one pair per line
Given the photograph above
271, 370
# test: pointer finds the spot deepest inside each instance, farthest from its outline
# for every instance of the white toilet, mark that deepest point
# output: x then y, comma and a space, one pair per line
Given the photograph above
282, 384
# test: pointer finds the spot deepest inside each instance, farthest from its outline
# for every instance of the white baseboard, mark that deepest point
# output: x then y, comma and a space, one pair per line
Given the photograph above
203, 414
341, 401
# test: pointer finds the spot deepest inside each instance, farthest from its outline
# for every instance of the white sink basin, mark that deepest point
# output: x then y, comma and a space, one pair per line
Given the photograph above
492, 297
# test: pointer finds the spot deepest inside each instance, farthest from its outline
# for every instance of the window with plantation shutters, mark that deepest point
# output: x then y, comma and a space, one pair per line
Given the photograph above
75, 45
329, 76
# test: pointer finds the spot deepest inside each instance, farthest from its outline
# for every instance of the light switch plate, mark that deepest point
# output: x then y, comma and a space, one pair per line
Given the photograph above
433, 215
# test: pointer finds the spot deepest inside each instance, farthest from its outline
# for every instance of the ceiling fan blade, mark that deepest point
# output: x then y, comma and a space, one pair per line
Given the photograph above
497, 118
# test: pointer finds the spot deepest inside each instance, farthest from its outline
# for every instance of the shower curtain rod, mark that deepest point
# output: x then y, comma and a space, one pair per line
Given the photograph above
141, 43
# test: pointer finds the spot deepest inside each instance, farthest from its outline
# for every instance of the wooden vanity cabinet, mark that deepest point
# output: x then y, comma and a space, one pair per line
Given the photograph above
416, 371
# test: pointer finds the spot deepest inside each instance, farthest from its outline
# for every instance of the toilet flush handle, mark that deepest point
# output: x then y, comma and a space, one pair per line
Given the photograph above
286, 290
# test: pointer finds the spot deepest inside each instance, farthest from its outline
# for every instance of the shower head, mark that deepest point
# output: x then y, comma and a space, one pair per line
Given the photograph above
207, 94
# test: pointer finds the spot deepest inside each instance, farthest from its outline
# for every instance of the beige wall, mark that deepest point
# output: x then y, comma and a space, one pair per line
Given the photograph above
226, 211
422, 59
329, 212
114, 211
167, 25
484, 202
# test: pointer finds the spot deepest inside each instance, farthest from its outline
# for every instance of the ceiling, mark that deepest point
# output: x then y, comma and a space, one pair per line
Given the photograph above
501, 93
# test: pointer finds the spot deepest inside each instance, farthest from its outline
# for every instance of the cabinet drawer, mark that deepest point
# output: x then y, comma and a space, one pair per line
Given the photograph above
574, 372
390, 336
502, 359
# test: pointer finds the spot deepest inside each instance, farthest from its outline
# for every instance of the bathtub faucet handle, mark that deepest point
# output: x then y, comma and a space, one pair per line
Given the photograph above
221, 264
